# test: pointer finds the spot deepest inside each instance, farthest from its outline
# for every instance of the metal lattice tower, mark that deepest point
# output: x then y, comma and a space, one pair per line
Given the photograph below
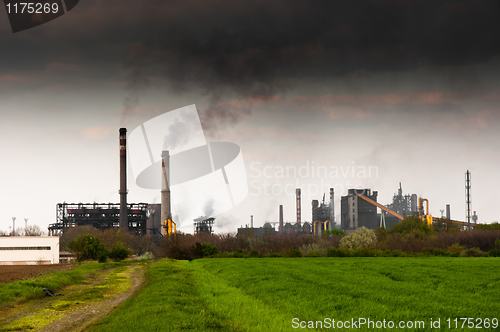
468, 201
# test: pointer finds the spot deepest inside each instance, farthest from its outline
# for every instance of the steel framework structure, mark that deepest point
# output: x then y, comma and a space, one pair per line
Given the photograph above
99, 215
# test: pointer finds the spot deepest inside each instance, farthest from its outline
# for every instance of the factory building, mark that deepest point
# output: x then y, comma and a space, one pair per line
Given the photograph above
99, 215
203, 225
323, 214
356, 212
405, 205
139, 218
153, 224
259, 231
29, 250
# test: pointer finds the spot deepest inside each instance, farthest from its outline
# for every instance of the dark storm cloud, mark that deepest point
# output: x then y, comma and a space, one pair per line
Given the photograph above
243, 48
247, 45
239, 49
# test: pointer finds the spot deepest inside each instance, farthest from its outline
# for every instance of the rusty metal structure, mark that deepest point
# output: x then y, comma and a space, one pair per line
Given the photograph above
99, 215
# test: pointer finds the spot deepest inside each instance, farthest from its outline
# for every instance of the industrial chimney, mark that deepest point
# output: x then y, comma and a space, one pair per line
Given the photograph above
123, 179
281, 219
297, 192
165, 188
332, 210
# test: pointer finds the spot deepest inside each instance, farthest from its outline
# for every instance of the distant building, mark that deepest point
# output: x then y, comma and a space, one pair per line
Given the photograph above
29, 250
356, 212
259, 231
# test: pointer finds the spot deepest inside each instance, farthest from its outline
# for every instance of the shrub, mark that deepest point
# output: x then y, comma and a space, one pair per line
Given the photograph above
87, 247
397, 253
240, 253
334, 231
361, 238
205, 250
495, 226
339, 252
313, 254
494, 253
103, 257
119, 252
273, 254
253, 253
455, 248
472, 252
147, 256
294, 253
410, 225
320, 248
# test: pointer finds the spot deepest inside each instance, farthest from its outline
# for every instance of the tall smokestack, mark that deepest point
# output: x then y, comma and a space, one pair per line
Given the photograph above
332, 210
281, 219
251, 221
297, 192
123, 179
165, 187
448, 214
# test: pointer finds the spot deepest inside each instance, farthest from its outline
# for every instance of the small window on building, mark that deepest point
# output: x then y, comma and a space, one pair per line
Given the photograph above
352, 203
353, 219
352, 210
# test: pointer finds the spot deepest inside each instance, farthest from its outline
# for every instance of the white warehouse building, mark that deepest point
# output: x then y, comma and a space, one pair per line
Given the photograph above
29, 250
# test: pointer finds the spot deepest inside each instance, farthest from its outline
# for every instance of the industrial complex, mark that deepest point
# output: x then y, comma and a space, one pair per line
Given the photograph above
357, 209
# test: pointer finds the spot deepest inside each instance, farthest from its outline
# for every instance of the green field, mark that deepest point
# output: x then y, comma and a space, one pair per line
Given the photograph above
267, 294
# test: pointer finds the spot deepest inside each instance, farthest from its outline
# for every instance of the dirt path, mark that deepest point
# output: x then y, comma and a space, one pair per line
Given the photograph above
79, 306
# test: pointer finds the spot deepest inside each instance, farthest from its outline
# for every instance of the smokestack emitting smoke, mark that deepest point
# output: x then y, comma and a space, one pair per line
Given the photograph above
332, 211
281, 219
297, 192
165, 187
123, 179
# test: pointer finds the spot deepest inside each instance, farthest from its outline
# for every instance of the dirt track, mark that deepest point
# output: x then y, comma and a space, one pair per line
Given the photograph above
9, 273
80, 305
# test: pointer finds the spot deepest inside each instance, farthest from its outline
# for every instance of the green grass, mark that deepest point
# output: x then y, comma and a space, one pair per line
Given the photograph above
93, 283
169, 301
19, 291
266, 294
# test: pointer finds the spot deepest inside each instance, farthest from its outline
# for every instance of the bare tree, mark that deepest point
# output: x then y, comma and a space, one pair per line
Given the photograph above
34, 230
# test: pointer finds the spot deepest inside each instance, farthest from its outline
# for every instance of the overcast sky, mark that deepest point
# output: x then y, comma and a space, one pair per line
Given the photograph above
407, 89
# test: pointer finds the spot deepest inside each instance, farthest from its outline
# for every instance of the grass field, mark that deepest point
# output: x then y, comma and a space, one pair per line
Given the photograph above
19, 291
268, 294
92, 290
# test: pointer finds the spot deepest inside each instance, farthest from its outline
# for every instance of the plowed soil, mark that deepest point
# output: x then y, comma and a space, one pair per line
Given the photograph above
9, 273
